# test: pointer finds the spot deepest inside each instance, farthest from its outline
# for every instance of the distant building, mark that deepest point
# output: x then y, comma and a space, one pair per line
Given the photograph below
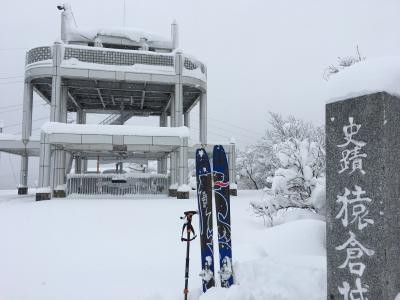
122, 73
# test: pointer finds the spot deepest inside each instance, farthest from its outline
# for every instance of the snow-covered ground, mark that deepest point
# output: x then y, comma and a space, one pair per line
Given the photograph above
131, 249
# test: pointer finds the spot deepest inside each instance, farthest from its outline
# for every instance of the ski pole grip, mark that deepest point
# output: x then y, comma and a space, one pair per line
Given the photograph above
190, 213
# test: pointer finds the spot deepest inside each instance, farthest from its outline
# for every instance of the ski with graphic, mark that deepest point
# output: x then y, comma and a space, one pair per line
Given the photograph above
222, 204
204, 198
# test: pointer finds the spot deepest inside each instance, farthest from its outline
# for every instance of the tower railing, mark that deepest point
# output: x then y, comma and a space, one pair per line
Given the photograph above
117, 184
38, 54
117, 57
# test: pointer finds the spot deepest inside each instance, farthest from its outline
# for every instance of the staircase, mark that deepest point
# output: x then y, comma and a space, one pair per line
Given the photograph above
117, 119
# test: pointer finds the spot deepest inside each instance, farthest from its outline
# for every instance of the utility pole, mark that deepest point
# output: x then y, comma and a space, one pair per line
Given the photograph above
124, 19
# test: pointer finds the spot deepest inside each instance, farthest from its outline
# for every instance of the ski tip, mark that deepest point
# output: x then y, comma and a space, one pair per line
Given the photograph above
202, 162
219, 148
201, 153
219, 154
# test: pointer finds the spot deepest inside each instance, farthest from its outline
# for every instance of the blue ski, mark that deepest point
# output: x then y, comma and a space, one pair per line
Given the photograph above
204, 198
222, 204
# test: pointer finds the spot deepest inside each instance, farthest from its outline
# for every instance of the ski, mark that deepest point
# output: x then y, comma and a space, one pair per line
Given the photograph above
204, 198
222, 205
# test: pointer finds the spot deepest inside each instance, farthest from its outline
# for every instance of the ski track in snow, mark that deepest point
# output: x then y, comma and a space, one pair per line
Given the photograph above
131, 249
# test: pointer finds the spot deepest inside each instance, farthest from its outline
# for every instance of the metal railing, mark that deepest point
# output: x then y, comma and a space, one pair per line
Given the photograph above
191, 64
38, 54
117, 184
117, 57
107, 56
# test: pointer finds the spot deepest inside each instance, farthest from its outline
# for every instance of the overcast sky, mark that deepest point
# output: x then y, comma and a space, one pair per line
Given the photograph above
261, 55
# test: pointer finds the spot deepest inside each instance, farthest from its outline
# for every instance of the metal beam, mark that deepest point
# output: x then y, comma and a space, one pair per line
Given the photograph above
129, 86
166, 91
143, 96
142, 101
95, 96
193, 104
41, 94
101, 98
145, 112
168, 104
73, 100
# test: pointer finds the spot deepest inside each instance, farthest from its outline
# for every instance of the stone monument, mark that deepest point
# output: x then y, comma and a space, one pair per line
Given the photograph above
363, 197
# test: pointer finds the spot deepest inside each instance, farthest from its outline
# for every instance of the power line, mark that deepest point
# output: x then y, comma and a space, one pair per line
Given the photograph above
16, 124
11, 82
246, 129
10, 77
233, 125
7, 111
8, 106
237, 134
19, 105
256, 136
240, 137
11, 49
33, 129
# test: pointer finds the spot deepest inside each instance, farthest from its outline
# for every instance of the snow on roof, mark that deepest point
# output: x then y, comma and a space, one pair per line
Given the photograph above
366, 77
70, 31
54, 127
77, 34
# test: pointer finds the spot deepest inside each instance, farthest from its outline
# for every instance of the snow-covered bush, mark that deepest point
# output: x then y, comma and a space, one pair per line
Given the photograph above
343, 62
298, 159
271, 205
318, 196
296, 177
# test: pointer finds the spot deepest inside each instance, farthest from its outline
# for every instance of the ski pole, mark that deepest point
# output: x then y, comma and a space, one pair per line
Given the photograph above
189, 229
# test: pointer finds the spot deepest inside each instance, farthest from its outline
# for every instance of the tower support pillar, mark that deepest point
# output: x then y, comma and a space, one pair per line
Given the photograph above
59, 154
48, 162
80, 119
203, 118
26, 134
163, 162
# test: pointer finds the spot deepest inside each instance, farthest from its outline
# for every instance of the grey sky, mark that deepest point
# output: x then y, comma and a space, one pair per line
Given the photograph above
261, 55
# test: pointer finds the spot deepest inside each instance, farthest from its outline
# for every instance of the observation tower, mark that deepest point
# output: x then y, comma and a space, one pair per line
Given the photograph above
121, 73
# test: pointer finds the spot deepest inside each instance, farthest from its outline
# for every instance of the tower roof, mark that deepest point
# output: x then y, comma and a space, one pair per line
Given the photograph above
131, 34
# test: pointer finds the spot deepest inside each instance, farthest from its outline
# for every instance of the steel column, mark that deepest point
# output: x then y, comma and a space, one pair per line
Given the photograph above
44, 162
26, 134
203, 118
80, 119
163, 163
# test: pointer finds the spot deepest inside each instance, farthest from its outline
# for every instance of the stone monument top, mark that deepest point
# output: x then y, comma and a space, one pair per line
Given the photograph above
366, 77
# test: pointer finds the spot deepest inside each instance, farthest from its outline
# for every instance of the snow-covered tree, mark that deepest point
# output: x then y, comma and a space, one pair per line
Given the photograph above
254, 167
285, 135
298, 161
